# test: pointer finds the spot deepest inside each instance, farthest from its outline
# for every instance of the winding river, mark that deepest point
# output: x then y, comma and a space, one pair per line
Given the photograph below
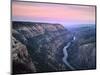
66, 54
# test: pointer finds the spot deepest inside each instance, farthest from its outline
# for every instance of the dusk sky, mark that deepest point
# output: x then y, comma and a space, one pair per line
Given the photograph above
53, 13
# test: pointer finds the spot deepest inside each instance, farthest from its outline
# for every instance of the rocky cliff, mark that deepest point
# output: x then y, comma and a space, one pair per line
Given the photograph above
22, 62
43, 43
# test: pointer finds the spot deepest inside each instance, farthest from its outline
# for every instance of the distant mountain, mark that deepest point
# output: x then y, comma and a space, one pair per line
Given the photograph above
79, 26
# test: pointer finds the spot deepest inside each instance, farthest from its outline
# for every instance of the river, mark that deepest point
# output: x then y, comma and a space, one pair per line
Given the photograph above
66, 54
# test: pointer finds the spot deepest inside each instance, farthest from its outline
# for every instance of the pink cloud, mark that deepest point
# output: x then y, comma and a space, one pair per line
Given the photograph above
54, 11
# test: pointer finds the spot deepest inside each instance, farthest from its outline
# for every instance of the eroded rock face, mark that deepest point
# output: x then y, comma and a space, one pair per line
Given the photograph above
38, 47
43, 42
22, 62
87, 56
82, 52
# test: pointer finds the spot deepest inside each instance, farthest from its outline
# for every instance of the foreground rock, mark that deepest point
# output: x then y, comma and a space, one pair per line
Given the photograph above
44, 43
22, 62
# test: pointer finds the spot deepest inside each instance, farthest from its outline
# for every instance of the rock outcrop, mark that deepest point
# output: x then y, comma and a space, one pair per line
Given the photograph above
43, 42
22, 62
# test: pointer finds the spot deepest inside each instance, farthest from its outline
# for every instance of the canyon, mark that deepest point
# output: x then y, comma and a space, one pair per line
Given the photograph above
43, 47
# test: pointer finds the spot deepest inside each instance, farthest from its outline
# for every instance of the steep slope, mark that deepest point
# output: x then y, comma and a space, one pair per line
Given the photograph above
82, 51
22, 62
44, 43
87, 56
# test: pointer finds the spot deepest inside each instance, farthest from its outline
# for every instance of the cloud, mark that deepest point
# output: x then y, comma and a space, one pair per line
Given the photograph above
53, 11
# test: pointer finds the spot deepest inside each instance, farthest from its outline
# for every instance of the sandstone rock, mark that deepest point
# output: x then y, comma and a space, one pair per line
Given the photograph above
22, 62
43, 42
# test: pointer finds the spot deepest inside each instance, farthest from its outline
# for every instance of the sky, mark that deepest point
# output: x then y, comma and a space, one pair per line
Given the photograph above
66, 15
